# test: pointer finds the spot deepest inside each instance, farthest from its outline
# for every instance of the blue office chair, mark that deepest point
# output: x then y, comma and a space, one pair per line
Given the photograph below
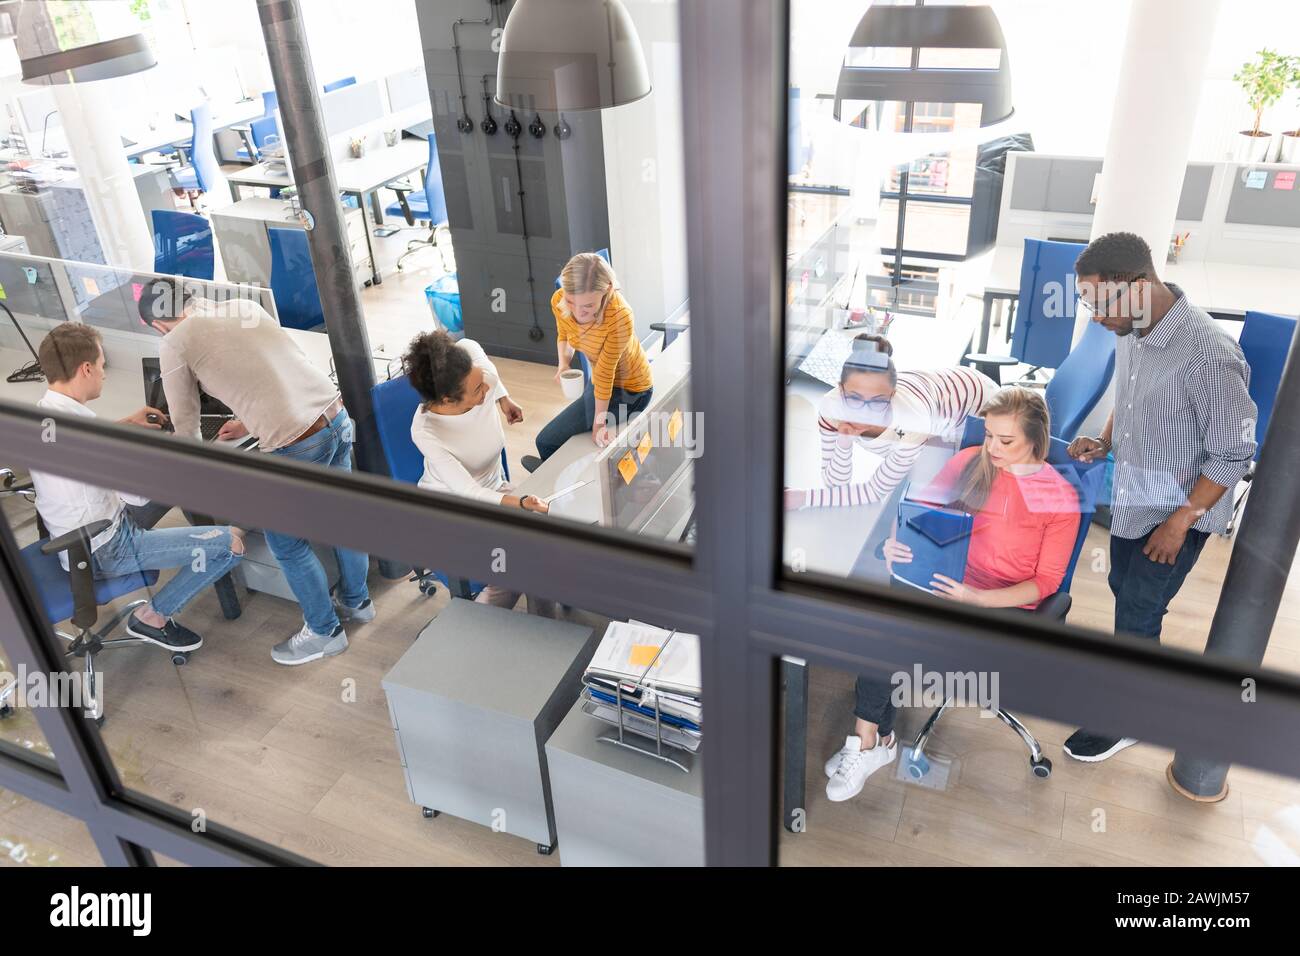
76, 596
1044, 317
253, 136
182, 244
203, 171
1080, 382
339, 84
1265, 342
395, 403
293, 279
428, 204
1086, 480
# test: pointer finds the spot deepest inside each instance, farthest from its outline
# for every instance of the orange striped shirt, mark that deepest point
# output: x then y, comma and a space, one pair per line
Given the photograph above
611, 346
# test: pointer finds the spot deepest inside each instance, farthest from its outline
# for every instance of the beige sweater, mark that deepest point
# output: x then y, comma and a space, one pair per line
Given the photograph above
242, 356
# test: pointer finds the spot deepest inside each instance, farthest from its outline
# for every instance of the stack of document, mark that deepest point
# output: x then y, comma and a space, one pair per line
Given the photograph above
650, 670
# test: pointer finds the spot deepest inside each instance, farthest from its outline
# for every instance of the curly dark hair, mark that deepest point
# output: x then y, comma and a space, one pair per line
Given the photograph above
1116, 257
436, 368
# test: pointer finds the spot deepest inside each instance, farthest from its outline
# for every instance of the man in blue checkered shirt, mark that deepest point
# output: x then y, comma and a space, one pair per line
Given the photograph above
1182, 430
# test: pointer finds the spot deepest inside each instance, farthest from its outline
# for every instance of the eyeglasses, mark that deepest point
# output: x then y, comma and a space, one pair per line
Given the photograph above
1106, 310
878, 403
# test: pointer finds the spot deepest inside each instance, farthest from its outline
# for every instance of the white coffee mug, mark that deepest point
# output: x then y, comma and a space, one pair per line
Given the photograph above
571, 383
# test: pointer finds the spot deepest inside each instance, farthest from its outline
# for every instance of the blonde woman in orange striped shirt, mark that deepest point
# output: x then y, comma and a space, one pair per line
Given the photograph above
592, 317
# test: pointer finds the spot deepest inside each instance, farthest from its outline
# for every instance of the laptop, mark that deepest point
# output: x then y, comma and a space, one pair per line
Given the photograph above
213, 413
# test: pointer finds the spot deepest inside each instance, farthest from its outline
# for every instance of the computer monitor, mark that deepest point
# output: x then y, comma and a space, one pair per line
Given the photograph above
110, 298
407, 89
645, 474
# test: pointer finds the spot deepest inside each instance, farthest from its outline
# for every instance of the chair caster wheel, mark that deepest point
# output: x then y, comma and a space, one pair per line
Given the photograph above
1042, 768
99, 721
180, 657
545, 850
917, 765
429, 813
6, 711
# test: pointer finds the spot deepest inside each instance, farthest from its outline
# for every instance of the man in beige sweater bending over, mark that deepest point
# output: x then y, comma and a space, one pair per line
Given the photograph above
244, 358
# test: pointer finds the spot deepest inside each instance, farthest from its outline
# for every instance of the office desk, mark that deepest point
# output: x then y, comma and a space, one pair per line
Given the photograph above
1226, 290
362, 177
576, 459
265, 175
160, 135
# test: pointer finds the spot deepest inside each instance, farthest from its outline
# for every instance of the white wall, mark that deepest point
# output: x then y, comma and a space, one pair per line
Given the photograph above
645, 179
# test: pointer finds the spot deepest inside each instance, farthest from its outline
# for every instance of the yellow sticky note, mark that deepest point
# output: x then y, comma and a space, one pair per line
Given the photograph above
2, 293
92, 287
627, 468
675, 424
642, 655
644, 446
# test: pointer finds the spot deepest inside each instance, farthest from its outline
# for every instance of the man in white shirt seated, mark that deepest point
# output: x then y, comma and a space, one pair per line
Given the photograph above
72, 358
244, 358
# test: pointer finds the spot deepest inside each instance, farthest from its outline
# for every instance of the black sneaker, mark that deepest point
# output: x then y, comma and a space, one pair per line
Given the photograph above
1092, 748
171, 635
531, 463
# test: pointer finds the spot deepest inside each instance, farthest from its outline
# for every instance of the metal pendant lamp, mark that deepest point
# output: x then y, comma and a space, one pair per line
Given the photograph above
570, 55
926, 28
62, 43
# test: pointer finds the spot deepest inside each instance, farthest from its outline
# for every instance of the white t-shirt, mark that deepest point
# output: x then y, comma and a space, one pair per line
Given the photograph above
462, 453
65, 503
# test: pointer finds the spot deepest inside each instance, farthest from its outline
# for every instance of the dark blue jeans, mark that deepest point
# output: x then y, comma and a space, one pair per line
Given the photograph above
1143, 588
580, 417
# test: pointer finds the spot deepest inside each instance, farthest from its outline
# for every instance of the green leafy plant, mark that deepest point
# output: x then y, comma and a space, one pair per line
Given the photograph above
1265, 79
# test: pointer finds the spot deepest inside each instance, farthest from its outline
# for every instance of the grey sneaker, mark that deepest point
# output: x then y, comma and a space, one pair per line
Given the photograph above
307, 646
362, 615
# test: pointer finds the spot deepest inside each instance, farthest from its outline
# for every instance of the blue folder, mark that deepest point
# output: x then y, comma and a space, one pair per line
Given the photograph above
939, 538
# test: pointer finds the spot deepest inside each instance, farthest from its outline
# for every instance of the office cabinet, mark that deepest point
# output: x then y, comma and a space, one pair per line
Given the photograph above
473, 701
614, 807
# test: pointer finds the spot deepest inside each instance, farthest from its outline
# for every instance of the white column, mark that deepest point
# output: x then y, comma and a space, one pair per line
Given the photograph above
1159, 91
94, 139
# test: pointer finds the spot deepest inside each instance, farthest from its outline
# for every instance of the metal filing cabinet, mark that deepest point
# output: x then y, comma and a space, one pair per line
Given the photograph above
473, 702
614, 807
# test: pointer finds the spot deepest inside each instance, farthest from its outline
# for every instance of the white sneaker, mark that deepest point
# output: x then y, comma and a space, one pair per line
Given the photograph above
850, 745
307, 646
856, 766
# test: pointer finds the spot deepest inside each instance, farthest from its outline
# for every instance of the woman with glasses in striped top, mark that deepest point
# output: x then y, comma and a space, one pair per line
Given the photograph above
889, 413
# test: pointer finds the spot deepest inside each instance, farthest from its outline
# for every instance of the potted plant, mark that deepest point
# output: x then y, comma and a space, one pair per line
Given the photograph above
1264, 79
1288, 150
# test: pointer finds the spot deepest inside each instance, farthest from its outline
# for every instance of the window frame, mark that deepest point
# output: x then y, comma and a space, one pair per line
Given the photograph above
733, 590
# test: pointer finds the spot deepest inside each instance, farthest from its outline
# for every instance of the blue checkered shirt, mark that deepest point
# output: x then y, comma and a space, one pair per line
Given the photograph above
1182, 410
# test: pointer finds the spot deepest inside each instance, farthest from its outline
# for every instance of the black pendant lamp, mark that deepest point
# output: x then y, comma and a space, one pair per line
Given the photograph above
83, 47
915, 29
570, 55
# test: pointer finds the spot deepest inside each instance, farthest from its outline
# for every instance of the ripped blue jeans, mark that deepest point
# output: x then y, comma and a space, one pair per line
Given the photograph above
203, 555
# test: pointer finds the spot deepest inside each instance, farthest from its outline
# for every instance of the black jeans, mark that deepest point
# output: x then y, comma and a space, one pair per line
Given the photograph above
873, 703
1143, 588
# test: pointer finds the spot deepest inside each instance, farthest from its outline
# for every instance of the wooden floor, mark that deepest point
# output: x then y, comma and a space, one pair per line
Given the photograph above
280, 753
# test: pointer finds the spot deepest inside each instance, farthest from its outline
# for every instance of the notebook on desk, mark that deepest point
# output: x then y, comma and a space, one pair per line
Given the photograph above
939, 538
